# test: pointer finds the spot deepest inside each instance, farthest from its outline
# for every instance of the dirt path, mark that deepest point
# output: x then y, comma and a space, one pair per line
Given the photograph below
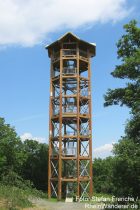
42, 204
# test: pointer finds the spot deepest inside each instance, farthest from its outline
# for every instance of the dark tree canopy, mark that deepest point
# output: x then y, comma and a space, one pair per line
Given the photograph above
35, 168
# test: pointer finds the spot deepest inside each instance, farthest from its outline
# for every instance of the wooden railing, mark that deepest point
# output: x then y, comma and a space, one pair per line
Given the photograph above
69, 52
67, 70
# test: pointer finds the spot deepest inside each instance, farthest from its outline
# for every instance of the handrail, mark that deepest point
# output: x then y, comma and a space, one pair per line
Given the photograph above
67, 70
68, 52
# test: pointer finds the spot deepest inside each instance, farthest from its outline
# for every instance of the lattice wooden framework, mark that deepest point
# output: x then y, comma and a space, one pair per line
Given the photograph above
70, 132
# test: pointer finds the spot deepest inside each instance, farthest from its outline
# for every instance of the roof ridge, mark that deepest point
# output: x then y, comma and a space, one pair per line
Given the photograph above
69, 32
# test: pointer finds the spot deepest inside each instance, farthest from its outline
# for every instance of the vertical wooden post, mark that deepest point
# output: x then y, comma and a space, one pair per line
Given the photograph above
50, 133
60, 132
90, 126
78, 123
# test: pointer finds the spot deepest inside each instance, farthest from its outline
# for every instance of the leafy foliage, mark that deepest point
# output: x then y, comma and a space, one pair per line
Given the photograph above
126, 170
35, 168
13, 198
20, 161
129, 53
103, 175
11, 154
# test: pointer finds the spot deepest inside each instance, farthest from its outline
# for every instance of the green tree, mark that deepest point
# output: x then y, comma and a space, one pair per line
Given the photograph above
103, 175
129, 53
22, 163
11, 153
35, 168
126, 168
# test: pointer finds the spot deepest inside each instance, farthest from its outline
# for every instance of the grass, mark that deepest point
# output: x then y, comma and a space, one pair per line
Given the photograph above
102, 195
54, 200
14, 198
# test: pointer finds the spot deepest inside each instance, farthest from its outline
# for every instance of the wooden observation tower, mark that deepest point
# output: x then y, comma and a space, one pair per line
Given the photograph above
70, 132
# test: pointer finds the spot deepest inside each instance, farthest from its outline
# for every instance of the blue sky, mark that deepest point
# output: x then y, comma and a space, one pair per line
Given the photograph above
24, 64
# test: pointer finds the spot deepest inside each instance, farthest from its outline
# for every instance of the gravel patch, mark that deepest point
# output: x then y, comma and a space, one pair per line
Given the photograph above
42, 204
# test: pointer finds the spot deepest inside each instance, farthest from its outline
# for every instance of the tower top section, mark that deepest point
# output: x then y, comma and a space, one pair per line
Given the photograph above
69, 40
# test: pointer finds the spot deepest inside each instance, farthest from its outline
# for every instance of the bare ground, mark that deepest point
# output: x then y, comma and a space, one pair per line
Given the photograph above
42, 204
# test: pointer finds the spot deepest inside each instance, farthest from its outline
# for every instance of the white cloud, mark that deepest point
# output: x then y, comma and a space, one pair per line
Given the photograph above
29, 136
28, 22
103, 151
